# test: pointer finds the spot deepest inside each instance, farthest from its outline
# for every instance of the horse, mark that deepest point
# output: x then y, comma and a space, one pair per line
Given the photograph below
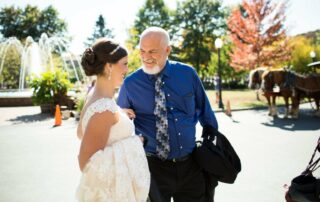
306, 86
255, 82
255, 76
272, 79
295, 86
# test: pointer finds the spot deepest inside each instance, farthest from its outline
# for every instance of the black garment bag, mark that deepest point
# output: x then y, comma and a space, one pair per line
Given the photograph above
216, 156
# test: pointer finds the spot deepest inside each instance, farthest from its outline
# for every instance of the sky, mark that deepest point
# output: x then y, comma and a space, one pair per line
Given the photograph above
81, 15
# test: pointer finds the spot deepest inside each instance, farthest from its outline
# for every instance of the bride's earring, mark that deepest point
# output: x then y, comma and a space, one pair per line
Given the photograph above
109, 74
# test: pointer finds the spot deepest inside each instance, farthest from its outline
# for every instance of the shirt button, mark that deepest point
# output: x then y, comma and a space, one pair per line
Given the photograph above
180, 147
168, 95
171, 108
176, 120
163, 83
179, 134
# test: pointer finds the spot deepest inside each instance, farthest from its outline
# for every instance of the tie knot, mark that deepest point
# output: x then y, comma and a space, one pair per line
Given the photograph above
158, 77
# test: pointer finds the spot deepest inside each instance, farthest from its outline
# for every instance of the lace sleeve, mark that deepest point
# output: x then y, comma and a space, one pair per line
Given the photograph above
98, 106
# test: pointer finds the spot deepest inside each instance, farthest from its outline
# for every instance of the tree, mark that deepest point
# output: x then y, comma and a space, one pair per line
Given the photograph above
199, 21
317, 38
9, 25
300, 58
258, 34
49, 21
100, 31
134, 60
30, 21
153, 13
9, 74
231, 78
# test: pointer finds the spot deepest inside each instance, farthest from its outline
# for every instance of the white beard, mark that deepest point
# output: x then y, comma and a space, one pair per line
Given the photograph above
152, 71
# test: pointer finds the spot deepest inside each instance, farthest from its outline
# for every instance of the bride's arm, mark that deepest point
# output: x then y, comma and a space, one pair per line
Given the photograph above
79, 130
96, 135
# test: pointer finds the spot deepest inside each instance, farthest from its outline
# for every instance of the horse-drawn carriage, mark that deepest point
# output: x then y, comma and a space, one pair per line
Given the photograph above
289, 85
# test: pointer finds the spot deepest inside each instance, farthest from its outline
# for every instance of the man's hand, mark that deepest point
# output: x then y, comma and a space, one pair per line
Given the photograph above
142, 139
130, 113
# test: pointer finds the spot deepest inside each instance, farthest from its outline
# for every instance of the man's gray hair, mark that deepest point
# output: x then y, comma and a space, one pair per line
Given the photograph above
166, 38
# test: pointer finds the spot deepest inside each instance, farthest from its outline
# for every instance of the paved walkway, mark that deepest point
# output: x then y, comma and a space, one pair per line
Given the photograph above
39, 163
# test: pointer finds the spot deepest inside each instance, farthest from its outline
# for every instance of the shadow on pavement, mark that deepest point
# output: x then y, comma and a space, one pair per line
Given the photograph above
30, 118
306, 121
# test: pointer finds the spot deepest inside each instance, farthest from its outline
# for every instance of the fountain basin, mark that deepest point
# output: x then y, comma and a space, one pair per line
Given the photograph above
20, 98
15, 98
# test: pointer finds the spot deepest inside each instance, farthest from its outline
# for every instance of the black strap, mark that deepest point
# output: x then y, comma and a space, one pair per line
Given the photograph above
312, 166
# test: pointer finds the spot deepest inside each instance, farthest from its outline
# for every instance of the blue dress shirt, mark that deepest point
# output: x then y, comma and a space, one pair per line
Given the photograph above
186, 103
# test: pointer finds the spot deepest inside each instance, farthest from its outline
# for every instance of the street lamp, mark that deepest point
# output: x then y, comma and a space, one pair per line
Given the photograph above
313, 56
218, 44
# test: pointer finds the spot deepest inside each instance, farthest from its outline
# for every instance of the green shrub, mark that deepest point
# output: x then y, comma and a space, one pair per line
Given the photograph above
80, 103
50, 88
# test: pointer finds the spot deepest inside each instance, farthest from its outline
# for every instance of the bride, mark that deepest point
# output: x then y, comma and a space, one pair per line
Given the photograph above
111, 158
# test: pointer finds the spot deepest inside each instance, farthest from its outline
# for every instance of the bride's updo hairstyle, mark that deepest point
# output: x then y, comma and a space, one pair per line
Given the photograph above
103, 51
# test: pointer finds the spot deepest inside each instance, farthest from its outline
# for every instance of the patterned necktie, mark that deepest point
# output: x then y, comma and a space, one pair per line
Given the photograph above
160, 112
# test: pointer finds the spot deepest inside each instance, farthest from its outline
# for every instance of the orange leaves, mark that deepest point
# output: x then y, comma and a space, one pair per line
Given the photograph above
258, 34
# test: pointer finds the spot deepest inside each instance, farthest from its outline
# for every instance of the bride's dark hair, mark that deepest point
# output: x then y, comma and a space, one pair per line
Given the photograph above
103, 51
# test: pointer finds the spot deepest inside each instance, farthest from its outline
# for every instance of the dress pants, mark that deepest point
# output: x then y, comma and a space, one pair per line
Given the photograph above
183, 181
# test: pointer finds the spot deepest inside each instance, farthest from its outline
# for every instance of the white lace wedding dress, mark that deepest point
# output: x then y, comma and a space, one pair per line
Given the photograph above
120, 172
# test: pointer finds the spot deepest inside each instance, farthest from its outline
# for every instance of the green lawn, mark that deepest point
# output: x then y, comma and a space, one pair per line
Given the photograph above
240, 99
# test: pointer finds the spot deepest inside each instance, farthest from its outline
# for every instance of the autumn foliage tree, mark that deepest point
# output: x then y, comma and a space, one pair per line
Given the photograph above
258, 33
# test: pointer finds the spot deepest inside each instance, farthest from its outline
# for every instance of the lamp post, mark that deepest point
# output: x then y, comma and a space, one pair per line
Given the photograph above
313, 56
218, 44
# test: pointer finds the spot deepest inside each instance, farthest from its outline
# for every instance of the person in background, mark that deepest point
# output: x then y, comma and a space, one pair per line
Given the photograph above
216, 82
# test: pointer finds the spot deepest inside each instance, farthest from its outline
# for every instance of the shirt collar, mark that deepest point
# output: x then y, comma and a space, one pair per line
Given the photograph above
167, 69
165, 72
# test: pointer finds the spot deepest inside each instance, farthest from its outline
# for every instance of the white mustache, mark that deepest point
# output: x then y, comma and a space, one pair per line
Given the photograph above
150, 60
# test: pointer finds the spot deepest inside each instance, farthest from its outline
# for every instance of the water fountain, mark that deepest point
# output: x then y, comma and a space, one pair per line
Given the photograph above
35, 58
